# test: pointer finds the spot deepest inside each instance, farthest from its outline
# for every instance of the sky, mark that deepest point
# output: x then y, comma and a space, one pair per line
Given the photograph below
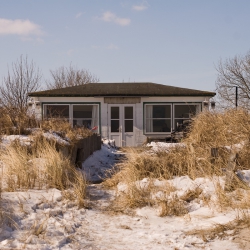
172, 42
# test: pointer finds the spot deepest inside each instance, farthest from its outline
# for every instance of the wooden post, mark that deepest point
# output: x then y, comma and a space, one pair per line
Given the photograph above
230, 175
214, 155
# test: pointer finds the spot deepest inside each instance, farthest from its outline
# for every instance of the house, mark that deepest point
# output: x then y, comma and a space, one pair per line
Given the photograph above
126, 112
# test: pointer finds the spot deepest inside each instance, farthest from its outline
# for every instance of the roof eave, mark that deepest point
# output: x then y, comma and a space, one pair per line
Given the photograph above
146, 95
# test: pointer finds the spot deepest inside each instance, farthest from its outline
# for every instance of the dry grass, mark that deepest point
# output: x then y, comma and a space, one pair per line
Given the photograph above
22, 124
213, 129
19, 124
41, 167
134, 197
223, 230
161, 165
190, 195
173, 206
208, 130
64, 129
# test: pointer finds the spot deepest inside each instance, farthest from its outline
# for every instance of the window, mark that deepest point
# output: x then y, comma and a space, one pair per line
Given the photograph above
128, 119
56, 111
158, 118
184, 112
115, 119
86, 115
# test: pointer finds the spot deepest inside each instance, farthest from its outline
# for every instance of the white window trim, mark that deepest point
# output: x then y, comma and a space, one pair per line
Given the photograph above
87, 104
145, 118
71, 111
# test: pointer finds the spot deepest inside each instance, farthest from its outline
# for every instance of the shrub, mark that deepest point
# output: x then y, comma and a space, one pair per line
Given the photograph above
209, 130
40, 167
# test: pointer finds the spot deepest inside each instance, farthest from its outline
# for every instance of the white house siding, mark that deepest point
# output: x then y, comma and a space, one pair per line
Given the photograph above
139, 134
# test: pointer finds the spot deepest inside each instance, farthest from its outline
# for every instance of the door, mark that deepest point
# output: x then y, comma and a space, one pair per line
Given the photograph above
121, 124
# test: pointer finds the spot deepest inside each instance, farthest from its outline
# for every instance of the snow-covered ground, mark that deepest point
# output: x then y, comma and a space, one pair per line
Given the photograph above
163, 146
97, 165
42, 219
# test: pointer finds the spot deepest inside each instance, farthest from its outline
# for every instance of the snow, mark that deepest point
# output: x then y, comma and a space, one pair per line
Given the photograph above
27, 140
163, 146
100, 162
7, 139
236, 147
54, 136
43, 219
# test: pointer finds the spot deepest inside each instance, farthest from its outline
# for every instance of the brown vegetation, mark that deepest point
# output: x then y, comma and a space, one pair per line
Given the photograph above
221, 131
40, 167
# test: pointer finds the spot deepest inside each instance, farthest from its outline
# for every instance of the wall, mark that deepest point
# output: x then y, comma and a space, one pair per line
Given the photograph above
37, 110
81, 150
139, 136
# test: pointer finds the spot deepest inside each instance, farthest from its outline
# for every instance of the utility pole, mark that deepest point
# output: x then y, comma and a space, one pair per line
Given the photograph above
236, 97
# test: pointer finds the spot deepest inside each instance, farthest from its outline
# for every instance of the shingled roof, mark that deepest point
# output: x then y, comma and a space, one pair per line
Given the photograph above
122, 89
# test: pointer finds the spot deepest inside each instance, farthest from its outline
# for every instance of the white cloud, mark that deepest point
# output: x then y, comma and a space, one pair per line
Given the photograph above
19, 27
108, 16
78, 15
112, 47
140, 7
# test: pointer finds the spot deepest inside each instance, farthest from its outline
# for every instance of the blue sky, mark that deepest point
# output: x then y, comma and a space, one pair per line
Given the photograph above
173, 42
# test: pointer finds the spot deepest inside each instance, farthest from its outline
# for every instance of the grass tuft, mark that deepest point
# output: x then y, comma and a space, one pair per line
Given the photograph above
39, 167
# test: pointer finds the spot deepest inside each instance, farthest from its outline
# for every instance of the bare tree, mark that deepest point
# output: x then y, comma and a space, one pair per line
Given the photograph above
234, 72
22, 78
71, 76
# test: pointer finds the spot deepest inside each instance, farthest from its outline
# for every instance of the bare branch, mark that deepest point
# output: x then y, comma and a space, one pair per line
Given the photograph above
22, 78
68, 77
231, 73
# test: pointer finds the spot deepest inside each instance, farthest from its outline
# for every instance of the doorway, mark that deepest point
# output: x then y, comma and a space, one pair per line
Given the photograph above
121, 124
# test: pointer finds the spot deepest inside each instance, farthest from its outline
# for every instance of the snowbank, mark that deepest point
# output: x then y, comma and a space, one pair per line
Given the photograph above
97, 165
163, 146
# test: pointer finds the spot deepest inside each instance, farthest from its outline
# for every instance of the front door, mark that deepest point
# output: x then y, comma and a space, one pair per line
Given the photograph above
121, 124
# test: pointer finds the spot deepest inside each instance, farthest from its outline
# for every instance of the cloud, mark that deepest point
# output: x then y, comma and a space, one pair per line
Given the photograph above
19, 27
140, 7
78, 15
108, 16
112, 47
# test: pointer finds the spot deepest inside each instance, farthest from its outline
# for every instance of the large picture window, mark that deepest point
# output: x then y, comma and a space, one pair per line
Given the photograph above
82, 115
158, 118
85, 115
184, 112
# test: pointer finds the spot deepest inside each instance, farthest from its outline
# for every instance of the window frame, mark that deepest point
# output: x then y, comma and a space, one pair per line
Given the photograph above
145, 117
55, 104
70, 104
86, 104
199, 104
184, 104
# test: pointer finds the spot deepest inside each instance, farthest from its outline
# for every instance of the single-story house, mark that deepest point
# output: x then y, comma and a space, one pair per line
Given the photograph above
126, 112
